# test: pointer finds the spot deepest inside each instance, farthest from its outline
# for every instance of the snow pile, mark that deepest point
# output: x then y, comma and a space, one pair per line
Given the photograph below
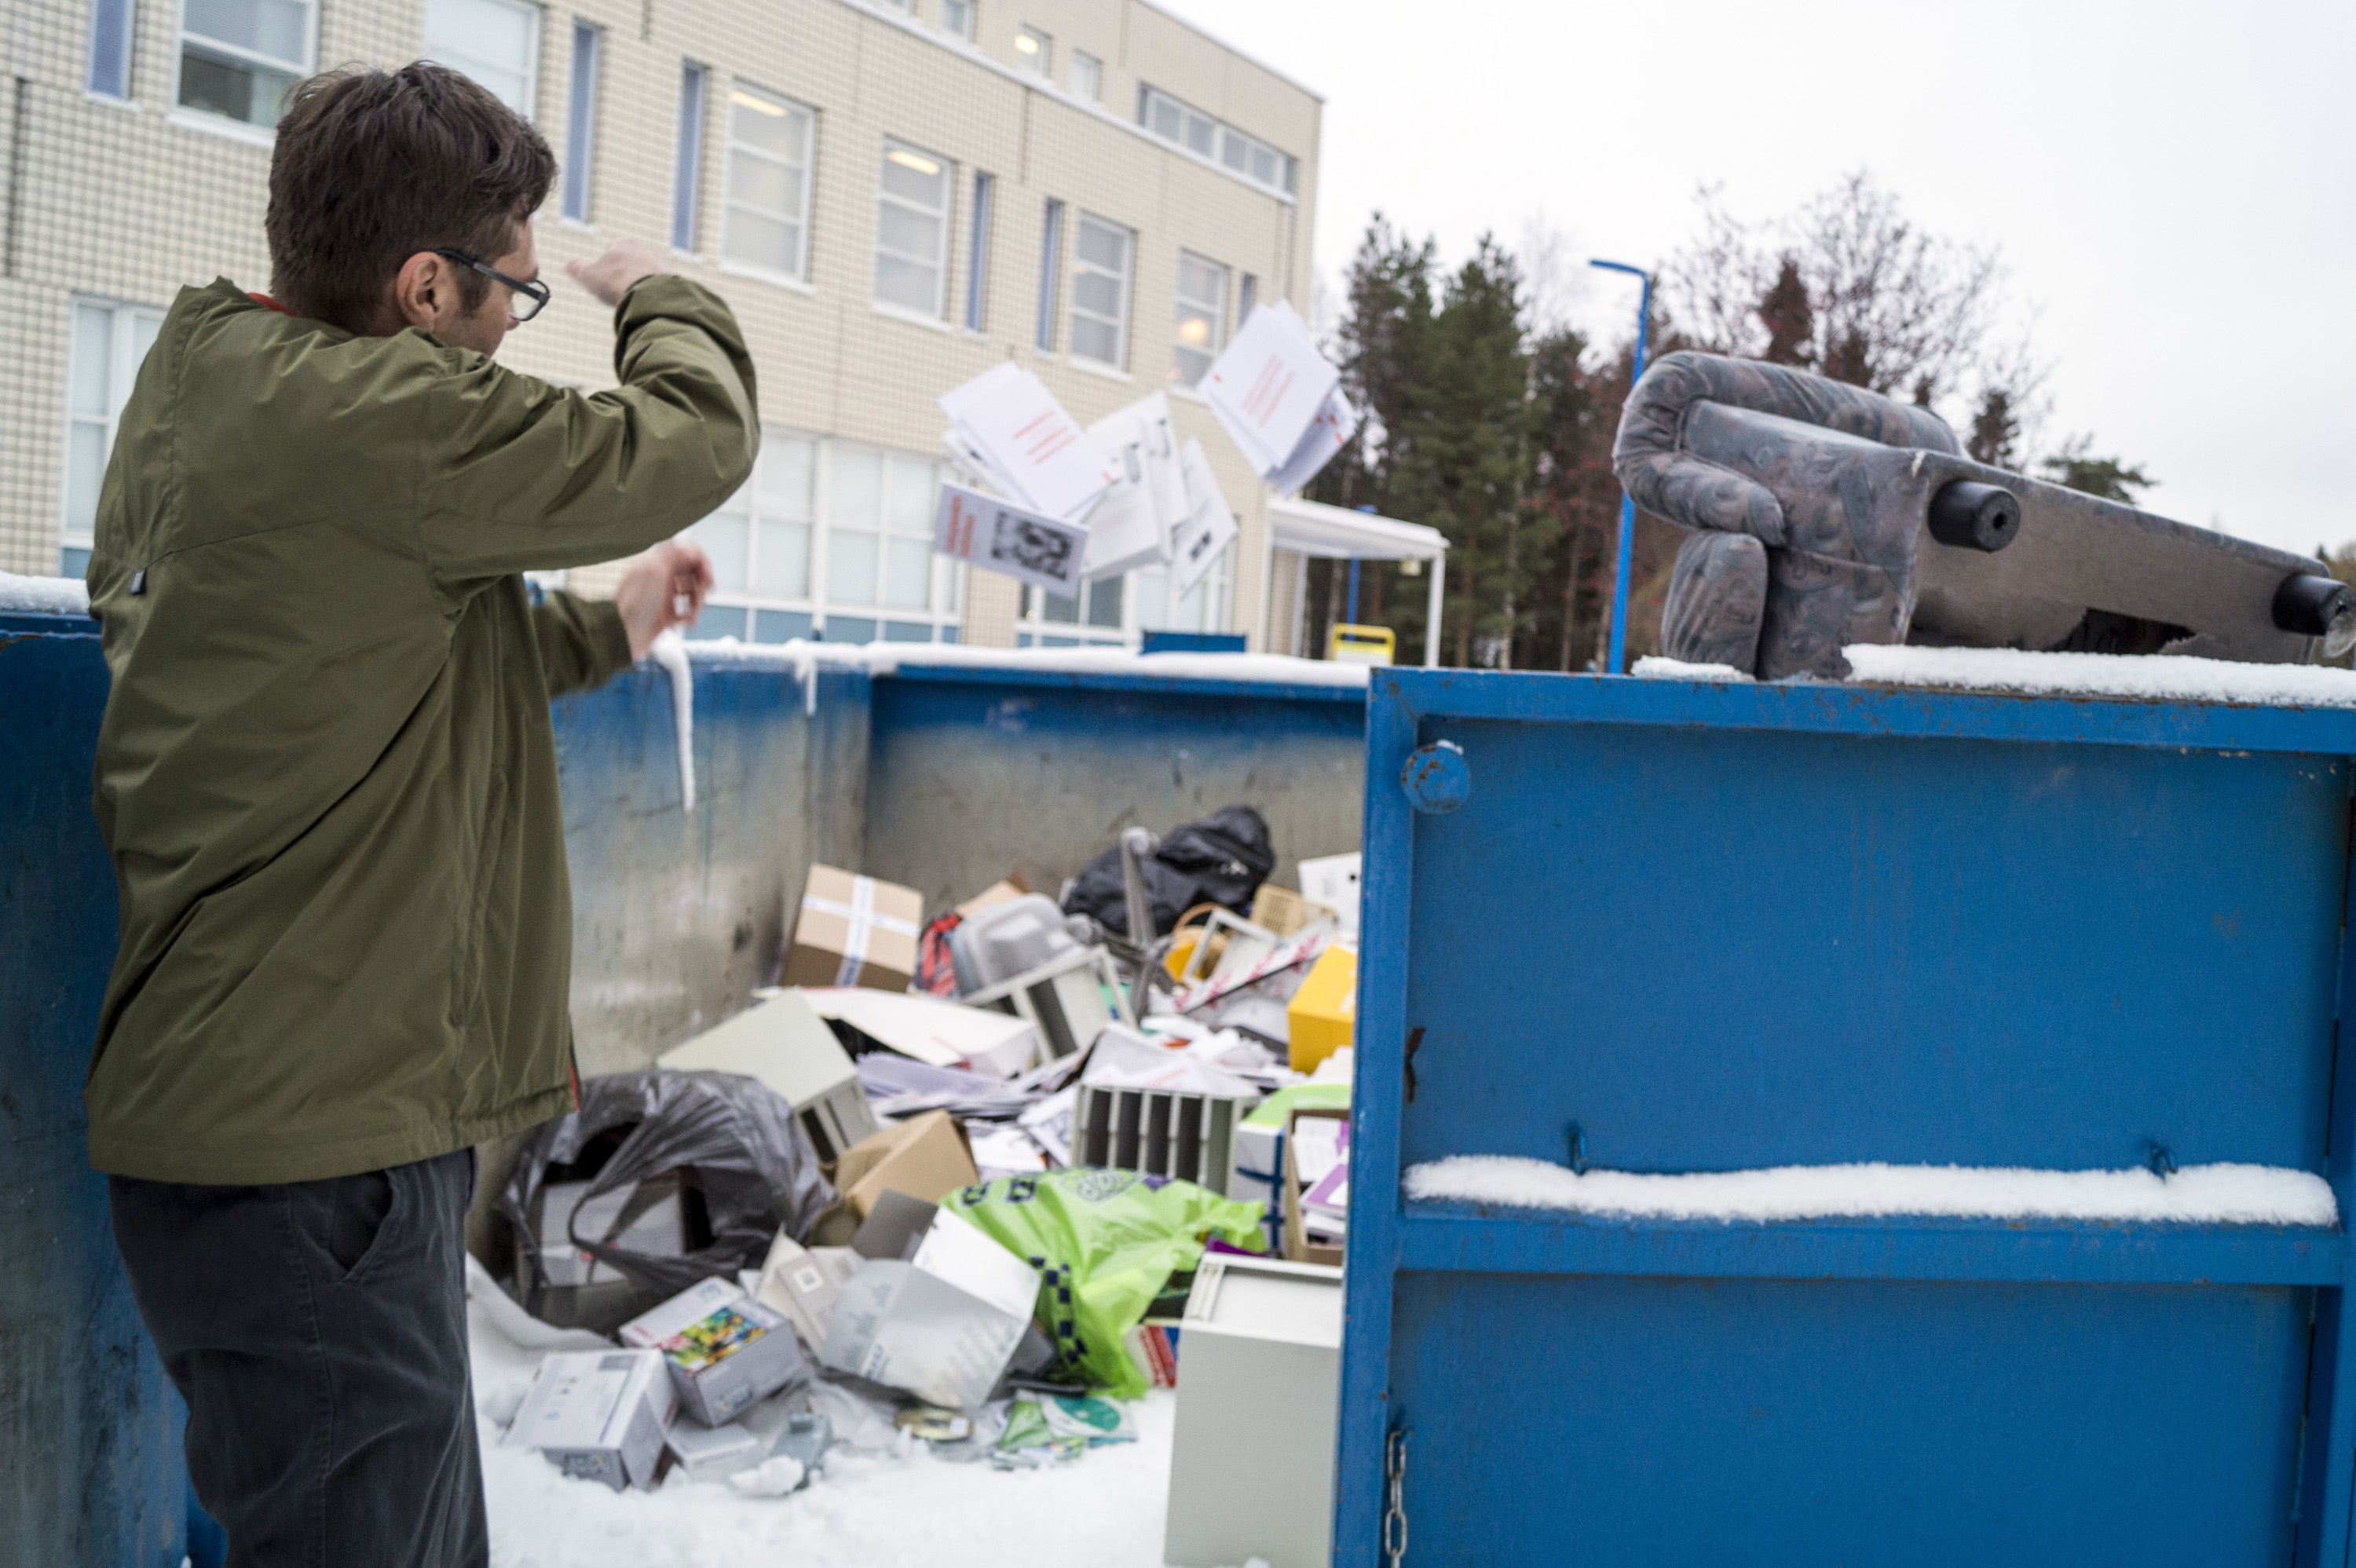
1653, 666
1105, 1510
2211, 1194
887, 658
2156, 678
43, 596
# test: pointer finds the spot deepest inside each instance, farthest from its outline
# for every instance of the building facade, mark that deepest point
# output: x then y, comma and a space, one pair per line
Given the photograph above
892, 197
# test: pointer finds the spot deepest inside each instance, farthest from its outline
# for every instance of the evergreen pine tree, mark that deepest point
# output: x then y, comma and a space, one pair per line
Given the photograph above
1784, 312
1996, 431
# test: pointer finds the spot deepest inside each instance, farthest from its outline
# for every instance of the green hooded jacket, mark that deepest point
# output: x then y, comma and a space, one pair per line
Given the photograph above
325, 772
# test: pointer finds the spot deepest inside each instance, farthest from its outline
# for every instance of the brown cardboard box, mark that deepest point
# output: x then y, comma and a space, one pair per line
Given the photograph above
1296, 1242
1013, 887
854, 931
925, 1156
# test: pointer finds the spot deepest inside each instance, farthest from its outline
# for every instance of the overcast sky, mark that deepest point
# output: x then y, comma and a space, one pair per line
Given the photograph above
2173, 184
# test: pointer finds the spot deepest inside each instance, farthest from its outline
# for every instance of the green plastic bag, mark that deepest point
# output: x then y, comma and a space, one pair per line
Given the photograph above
1103, 1242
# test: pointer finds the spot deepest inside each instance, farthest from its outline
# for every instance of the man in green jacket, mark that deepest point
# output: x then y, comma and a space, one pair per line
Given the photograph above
328, 780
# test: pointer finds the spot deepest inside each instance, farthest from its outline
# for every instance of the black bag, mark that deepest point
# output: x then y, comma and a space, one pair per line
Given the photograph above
1221, 860
734, 1144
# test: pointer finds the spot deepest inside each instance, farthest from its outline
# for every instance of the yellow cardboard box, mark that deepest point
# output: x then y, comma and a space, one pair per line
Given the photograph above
1323, 1014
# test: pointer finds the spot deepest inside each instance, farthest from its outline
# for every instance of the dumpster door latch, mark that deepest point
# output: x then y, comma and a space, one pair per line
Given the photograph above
1394, 1498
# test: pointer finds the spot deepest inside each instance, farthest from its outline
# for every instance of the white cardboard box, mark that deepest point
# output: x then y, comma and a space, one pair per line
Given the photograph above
598, 1415
942, 1325
1251, 1462
724, 1349
804, 1284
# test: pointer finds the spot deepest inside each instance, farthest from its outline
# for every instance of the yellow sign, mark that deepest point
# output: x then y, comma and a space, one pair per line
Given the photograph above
1347, 644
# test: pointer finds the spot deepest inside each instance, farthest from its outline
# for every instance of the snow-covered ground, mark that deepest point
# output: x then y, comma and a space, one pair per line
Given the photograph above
866, 1510
863, 1511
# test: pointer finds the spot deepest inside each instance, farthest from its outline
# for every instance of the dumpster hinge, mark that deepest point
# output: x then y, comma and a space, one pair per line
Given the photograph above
1394, 1498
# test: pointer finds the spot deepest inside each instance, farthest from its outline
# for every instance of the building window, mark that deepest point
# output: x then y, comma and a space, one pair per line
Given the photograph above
687, 162
1118, 611
1050, 258
911, 231
1190, 128
1088, 76
238, 58
581, 121
1246, 296
109, 72
977, 261
109, 342
1100, 292
957, 16
1032, 50
497, 42
768, 183
1202, 317
868, 574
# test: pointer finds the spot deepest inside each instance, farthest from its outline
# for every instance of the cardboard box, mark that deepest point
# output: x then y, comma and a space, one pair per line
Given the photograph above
925, 1156
659, 1228
942, 1325
1323, 1015
598, 1415
1297, 1245
803, 1283
725, 1348
786, 1046
714, 1453
1252, 1451
1257, 1178
854, 931
932, 1030
1015, 886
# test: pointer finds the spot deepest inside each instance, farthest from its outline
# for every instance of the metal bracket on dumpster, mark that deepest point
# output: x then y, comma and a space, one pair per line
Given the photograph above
1414, 1044
1436, 778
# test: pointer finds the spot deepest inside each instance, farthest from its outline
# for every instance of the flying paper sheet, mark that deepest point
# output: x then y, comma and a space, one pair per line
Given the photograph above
1007, 422
1327, 435
1208, 527
1131, 525
984, 531
1269, 385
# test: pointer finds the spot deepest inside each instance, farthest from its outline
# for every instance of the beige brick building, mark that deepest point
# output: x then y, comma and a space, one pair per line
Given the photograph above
892, 196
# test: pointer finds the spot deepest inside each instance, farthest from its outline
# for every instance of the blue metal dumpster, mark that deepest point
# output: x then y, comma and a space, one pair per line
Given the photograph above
1664, 926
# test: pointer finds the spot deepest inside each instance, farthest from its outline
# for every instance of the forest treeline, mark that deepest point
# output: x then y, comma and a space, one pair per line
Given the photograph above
1491, 417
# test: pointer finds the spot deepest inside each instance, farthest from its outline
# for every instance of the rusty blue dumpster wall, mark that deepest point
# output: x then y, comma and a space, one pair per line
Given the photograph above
944, 778
1702, 928
90, 1463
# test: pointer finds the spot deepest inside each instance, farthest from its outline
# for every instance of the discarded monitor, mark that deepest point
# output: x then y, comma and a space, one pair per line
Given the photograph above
1827, 514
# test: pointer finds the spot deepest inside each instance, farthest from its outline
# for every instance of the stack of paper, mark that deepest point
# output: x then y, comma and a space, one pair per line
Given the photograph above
1136, 521
1278, 398
1009, 428
1207, 526
1008, 432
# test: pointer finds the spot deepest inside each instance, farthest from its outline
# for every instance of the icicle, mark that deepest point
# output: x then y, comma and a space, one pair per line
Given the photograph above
670, 651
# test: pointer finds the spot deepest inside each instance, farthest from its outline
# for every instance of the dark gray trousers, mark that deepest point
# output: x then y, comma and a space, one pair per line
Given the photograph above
318, 1330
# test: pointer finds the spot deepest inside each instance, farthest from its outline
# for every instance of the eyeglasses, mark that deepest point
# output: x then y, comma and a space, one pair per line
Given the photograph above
530, 298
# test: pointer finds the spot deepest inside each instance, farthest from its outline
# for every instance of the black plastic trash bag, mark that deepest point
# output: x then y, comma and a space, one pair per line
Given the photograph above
1221, 860
732, 1142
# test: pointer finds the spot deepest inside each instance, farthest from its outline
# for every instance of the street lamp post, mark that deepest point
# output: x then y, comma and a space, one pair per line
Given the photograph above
1627, 502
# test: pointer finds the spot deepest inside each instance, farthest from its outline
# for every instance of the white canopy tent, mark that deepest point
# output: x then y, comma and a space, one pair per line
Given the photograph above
1336, 533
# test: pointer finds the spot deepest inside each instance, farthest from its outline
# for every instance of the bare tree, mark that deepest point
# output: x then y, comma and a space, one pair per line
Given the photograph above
1851, 287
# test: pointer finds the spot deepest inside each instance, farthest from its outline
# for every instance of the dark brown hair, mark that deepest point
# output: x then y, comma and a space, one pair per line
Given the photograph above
372, 167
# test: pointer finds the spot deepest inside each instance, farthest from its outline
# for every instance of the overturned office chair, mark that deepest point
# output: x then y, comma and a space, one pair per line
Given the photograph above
1827, 515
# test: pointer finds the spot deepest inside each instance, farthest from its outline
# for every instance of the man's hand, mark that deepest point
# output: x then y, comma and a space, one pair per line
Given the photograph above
609, 277
662, 589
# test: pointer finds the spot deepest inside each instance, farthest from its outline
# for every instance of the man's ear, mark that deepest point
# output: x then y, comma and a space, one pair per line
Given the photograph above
425, 290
